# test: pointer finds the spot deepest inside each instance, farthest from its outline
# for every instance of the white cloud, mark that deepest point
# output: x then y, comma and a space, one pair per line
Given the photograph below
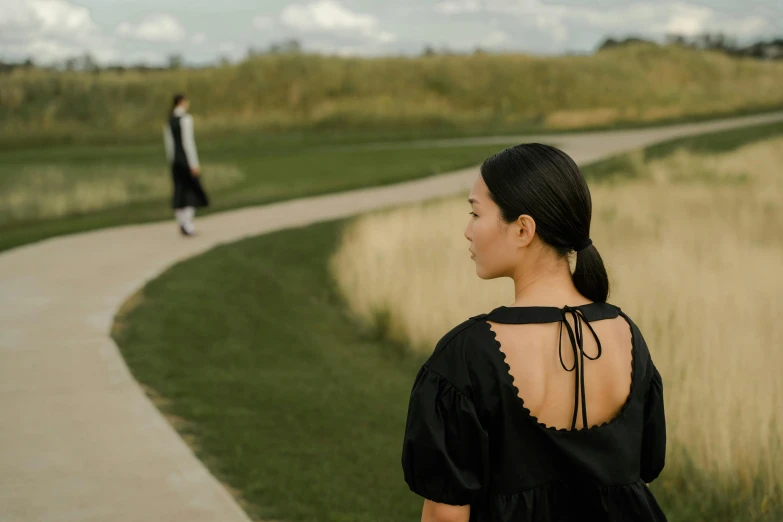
157, 27
263, 22
326, 14
62, 16
50, 30
198, 38
331, 16
688, 20
691, 20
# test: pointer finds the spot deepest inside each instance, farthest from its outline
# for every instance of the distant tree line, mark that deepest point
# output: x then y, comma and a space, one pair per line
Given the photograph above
86, 61
761, 50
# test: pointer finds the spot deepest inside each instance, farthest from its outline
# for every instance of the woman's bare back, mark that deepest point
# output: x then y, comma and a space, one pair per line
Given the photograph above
544, 385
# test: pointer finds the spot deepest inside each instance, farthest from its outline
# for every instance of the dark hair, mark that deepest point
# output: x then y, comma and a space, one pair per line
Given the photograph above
177, 100
545, 183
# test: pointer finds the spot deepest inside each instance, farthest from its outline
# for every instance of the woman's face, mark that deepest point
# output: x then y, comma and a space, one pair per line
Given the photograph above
495, 246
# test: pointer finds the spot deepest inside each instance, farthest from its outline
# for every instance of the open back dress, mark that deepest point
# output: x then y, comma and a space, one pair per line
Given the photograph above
471, 440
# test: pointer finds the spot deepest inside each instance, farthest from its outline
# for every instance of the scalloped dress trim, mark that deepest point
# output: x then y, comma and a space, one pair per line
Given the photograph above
527, 411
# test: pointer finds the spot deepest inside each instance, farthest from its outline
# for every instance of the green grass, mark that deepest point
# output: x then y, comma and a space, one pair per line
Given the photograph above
722, 141
288, 399
625, 166
135, 179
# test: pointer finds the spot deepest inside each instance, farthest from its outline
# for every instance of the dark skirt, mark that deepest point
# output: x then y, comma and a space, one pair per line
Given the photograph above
188, 191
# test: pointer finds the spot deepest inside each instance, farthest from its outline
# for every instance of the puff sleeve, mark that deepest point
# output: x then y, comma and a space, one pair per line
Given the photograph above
445, 454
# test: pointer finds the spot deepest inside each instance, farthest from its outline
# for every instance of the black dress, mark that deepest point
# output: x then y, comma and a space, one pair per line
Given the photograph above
188, 191
470, 440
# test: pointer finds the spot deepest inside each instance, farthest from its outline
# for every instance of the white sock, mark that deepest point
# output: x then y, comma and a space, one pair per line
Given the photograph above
180, 214
188, 213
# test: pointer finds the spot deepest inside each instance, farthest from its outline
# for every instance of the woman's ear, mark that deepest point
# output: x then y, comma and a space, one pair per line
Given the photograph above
524, 230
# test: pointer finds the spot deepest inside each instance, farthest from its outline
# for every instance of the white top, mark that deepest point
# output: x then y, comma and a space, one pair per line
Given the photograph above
188, 139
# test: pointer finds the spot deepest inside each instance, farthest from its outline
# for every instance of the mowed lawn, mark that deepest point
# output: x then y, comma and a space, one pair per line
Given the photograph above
295, 404
50, 192
285, 397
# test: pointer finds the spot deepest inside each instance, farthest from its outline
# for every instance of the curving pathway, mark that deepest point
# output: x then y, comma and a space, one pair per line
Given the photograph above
79, 439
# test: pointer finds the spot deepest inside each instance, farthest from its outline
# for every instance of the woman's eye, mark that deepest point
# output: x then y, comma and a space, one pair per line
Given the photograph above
472, 214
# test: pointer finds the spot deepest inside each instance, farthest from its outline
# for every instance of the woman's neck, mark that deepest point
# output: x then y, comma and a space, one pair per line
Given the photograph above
550, 285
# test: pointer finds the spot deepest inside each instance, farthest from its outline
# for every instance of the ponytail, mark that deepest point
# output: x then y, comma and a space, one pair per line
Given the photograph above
590, 276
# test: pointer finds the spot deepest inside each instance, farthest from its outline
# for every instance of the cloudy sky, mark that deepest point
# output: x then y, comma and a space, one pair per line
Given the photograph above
132, 31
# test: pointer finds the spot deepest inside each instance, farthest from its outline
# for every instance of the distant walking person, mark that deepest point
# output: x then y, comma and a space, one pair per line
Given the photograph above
181, 153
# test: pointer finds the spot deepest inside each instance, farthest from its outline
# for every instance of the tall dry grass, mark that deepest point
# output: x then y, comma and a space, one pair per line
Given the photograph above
636, 83
694, 249
45, 191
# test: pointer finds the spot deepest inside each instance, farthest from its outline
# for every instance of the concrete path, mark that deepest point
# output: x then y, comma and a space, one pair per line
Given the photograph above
79, 440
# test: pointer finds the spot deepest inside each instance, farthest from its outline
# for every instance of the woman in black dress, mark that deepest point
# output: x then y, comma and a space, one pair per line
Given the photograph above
550, 409
181, 152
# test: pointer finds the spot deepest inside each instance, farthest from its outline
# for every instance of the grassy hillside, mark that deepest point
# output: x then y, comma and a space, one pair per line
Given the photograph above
447, 94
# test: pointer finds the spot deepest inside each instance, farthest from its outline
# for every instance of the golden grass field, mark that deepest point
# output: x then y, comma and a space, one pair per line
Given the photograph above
45, 191
694, 248
479, 93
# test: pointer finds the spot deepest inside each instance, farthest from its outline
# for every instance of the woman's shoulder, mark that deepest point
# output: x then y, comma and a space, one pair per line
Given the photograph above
639, 343
464, 353
468, 335
643, 363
